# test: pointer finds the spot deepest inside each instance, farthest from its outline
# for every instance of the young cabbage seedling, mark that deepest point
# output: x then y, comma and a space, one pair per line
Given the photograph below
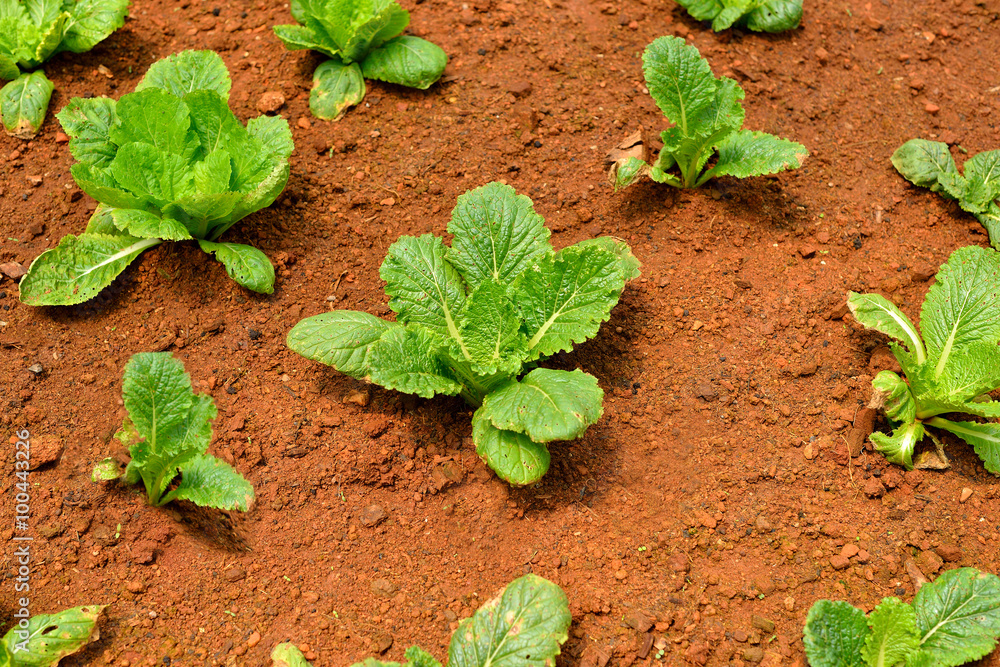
929, 164
952, 621
169, 161
950, 368
707, 117
472, 318
756, 15
363, 40
167, 431
524, 625
31, 32
48, 638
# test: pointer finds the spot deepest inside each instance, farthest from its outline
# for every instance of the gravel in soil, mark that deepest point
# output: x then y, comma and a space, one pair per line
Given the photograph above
714, 502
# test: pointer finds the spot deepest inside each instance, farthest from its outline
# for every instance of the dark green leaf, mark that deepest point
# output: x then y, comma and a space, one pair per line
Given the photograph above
336, 87
23, 103
835, 635
244, 264
340, 338
406, 61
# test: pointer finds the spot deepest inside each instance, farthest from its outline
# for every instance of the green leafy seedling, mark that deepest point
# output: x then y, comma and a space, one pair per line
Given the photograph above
364, 40
707, 117
167, 432
524, 625
756, 15
475, 319
169, 161
929, 164
951, 363
31, 32
46, 639
952, 621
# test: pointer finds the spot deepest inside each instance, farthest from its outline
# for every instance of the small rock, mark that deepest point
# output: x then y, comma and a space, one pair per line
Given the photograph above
372, 515
753, 654
584, 215
45, 449
740, 636
382, 641
253, 639
839, 562
520, 88
810, 451
596, 656
698, 653
270, 102
807, 251
949, 553
62, 138
849, 550
762, 623
873, 23
929, 562
806, 369
916, 576
144, 552
358, 398
34, 181
932, 108
12, 270
678, 562
922, 274
822, 55
707, 391
874, 488
789, 603
135, 586
762, 524
383, 588
51, 530
304, 123
949, 137
966, 494
235, 574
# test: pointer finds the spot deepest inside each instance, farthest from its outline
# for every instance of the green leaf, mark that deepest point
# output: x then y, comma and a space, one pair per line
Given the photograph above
8, 67
895, 397
522, 627
51, 637
984, 438
490, 329
775, 16
835, 635
88, 122
99, 184
627, 172
155, 118
514, 457
898, 447
425, 288
407, 61
958, 616
288, 655
628, 265
894, 634
50, 36
990, 219
405, 359
340, 338
244, 264
983, 173
546, 404
702, 10
142, 224
922, 162
876, 312
336, 87
971, 371
186, 72
960, 308
151, 173
23, 103
375, 22
497, 235
79, 267
680, 81
274, 136
415, 657
564, 297
297, 37
748, 153
91, 22
106, 470
209, 482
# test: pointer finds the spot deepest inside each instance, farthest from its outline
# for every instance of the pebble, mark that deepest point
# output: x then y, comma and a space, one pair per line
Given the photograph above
966, 494
253, 639
949, 553
839, 562
372, 515
520, 88
707, 391
762, 623
62, 138
12, 270
932, 108
638, 621
822, 55
270, 102
383, 588
789, 603
873, 488
135, 586
849, 550
235, 574
304, 123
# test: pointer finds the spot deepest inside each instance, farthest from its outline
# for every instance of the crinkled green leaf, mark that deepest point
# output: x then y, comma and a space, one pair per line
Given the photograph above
141, 224
497, 235
835, 635
211, 175
151, 173
952, 185
680, 81
425, 288
732, 11
972, 370
564, 297
514, 457
297, 37
990, 219
8, 66
273, 135
984, 438
958, 616
340, 338
245, 264
23, 103
898, 447
896, 397
983, 173
894, 634
756, 15
627, 172
51, 637
336, 87
106, 470
156, 118
407, 61
627, 262
748, 153
922, 162
775, 16
702, 10
876, 312
524, 626
88, 122
50, 36
288, 655
960, 308
489, 327
210, 482
374, 23
103, 222
91, 22
415, 657
546, 405
99, 184
405, 359
79, 267
186, 72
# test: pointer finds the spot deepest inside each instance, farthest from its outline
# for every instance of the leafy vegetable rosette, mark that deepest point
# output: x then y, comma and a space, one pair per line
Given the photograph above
168, 162
475, 319
31, 32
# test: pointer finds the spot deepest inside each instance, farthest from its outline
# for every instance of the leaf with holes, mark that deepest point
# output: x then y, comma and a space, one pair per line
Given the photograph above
50, 637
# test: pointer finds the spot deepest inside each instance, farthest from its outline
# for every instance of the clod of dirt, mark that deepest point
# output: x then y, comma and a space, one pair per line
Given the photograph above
949, 553
678, 562
707, 391
638, 621
929, 562
916, 576
520, 88
135, 586
762, 623
12, 270
358, 398
595, 656
45, 449
144, 552
382, 641
270, 102
839, 562
372, 515
383, 588
51, 530
235, 574
874, 488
